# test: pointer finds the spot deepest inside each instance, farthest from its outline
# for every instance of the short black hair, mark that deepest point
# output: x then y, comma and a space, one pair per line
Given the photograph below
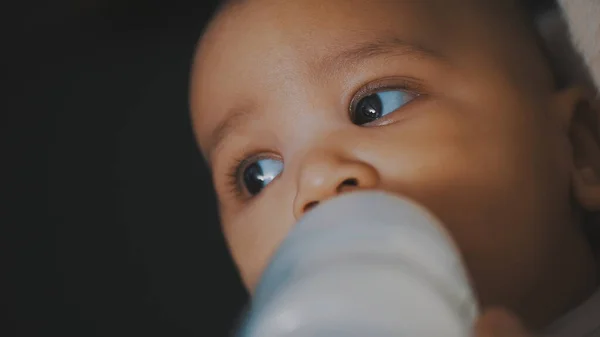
535, 7
532, 8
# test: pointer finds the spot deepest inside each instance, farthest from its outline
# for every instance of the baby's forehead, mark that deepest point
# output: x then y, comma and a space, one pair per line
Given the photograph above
250, 29
263, 46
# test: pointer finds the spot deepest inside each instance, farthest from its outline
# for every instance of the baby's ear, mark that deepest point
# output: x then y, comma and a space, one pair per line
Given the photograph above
581, 114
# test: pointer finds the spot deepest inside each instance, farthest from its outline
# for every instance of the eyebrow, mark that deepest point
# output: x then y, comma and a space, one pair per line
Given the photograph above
347, 58
387, 45
237, 117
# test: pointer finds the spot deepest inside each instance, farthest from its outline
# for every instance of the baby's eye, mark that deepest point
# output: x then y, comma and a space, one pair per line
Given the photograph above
258, 174
379, 104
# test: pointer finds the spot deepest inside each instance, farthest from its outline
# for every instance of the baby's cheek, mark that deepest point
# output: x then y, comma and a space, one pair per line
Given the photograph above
254, 234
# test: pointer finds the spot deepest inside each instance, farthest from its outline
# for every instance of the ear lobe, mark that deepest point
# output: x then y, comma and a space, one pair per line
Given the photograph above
585, 142
586, 187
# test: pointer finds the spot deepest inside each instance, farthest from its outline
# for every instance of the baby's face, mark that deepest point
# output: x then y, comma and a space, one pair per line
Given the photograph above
446, 102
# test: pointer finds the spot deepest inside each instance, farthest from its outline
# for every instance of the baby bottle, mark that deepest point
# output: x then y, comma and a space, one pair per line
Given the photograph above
364, 264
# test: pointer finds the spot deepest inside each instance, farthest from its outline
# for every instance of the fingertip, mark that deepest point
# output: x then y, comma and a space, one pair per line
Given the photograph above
499, 323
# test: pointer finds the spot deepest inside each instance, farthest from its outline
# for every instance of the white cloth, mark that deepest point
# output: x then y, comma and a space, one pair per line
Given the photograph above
583, 20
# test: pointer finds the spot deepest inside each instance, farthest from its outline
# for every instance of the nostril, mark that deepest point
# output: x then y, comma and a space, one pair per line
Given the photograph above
347, 185
350, 182
310, 206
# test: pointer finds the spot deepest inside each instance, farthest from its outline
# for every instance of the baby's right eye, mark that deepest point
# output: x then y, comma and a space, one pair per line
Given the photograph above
257, 174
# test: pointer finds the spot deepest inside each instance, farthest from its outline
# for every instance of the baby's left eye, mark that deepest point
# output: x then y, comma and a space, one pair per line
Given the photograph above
379, 104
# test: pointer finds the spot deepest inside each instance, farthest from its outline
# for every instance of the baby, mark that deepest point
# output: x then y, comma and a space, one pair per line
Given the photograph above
452, 103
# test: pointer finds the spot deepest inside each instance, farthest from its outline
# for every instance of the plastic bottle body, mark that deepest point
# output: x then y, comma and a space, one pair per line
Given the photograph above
364, 264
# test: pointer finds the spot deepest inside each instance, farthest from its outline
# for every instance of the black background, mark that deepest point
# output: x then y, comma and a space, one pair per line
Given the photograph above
114, 232
111, 218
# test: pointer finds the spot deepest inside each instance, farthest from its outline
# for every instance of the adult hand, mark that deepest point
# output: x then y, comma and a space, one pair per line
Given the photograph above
500, 323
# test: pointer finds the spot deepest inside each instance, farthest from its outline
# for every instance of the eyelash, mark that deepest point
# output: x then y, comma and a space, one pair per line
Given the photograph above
411, 85
233, 175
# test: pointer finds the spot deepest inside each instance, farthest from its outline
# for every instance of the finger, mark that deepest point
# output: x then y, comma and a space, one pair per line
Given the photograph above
500, 323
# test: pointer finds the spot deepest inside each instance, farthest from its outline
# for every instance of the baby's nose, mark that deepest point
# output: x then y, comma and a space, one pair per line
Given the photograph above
325, 176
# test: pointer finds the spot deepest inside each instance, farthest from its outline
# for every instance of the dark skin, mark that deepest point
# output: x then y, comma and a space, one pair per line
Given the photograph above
450, 103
